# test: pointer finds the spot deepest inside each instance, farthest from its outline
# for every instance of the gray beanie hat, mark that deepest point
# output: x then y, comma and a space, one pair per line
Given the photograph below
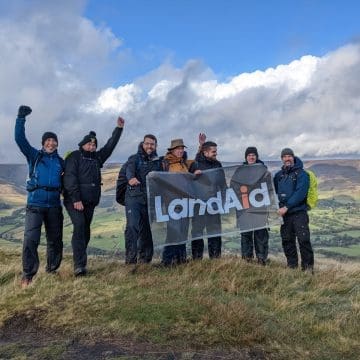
287, 151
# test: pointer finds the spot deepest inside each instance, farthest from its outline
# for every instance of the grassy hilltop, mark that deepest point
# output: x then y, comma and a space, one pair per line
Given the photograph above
222, 309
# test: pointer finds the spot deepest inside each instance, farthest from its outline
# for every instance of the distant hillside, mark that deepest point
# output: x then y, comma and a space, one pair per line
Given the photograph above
15, 174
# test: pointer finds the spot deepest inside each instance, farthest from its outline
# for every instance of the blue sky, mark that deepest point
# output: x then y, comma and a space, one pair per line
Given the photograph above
270, 74
230, 36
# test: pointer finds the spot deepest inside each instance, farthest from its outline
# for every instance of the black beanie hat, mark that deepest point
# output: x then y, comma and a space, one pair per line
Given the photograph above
48, 135
287, 151
251, 150
91, 137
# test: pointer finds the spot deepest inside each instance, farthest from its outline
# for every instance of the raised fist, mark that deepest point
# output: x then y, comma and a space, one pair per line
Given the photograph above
202, 138
120, 122
24, 110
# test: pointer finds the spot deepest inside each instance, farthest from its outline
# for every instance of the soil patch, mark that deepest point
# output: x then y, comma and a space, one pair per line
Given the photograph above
22, 335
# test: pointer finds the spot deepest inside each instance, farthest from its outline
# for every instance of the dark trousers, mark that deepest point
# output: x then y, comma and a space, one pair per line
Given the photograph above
53, 221
174, 254
258, 239
81, 221
138, 238
212, 224
177, 231
296, 226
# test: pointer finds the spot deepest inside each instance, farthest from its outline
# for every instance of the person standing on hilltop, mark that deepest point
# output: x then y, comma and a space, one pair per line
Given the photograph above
82, 189
258, 239
43, 202
206, 159
292, 185
176, 161
138, 238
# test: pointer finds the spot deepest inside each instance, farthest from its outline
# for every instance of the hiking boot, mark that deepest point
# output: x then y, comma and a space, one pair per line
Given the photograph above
247, 258
261, 261
80, 271
25, 282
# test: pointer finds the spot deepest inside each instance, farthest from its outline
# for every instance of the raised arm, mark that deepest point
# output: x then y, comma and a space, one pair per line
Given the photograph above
20, 137
108, 148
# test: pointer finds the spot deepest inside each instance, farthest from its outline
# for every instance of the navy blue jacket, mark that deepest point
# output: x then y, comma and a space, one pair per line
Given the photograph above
292, 185
138, 166
45, 171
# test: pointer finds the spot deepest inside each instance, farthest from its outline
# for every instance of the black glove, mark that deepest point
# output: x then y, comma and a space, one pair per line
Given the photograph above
24, 111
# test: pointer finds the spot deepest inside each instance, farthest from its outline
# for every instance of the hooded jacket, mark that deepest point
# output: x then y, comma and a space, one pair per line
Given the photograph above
138, 166
291, 185
45, 171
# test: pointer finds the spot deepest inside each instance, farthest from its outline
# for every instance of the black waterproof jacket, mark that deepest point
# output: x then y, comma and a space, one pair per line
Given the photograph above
82, 177
138, 166
203, 163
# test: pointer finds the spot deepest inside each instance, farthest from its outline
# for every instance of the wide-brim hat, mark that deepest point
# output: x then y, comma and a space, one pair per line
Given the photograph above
176, 143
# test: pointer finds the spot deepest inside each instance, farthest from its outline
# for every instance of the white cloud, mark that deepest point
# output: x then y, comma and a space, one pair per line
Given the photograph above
53, 59
310, 104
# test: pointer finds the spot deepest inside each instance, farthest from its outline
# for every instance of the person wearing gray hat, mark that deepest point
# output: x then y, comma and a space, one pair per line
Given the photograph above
292, 185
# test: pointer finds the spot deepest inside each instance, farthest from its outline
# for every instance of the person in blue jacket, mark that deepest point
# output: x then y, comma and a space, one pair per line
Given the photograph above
292, 184
43, 201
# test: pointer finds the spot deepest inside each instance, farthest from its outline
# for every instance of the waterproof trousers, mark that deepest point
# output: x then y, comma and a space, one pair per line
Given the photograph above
53, 220
296, 226
81, 221
258, 239
177, 231
212, 224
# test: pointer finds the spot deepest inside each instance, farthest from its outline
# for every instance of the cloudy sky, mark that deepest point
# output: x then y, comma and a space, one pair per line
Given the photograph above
267, 74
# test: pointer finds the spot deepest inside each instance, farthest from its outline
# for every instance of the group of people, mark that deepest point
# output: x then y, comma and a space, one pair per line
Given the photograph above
78, 178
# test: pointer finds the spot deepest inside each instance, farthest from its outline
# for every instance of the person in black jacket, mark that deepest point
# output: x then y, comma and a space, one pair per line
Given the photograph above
82, 189
204, 160
138, 237
258, 239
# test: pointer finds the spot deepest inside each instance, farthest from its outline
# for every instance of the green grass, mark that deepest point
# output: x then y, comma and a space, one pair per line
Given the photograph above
352, 250
225, 304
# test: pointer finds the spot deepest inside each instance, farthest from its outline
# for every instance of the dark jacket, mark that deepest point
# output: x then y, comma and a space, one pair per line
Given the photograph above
203, 163
138, 166
217, 179
45, 171
82, 178
292, 185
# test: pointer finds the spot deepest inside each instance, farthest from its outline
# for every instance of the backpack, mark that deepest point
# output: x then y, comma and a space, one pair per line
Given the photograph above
313, 193
121, 185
